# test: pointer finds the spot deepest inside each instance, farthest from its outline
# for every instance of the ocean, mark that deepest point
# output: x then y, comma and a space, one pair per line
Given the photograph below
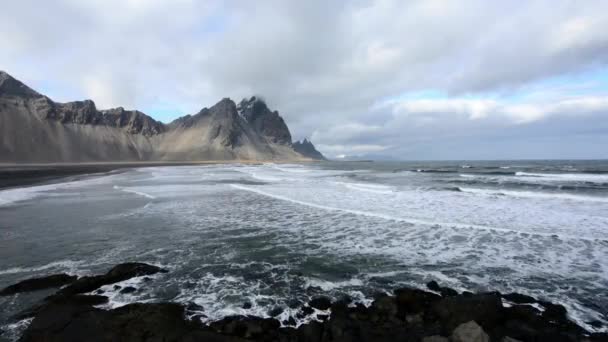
248, 239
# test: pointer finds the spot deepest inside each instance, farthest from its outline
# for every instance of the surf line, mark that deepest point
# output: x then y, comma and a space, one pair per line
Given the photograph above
400, 219
134, 192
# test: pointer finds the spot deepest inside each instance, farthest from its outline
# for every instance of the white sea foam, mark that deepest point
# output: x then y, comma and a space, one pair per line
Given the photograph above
11, 196
576, 177
67, 265
373, 188
134, 191
412, 221
327, 285
534, 194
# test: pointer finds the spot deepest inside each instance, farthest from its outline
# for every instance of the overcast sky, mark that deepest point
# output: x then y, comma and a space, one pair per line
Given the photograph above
408, 79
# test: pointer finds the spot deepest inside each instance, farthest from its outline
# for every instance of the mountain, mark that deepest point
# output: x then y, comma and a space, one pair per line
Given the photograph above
35, 129
307, 149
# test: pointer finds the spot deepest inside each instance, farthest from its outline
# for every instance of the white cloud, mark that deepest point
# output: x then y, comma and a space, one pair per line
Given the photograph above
322, 64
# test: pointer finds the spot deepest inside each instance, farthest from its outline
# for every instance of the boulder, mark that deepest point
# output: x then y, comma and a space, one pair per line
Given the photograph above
485, 309
469, 332
276, 311
34, 284
248, 327
320, 303
433, 286
519, 298
414, 300
385, 307
128, 289
116, 274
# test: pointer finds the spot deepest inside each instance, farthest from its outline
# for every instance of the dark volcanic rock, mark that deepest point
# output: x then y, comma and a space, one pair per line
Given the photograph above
307, 149
248, 327
445, 291
62, 300
133, 121
409, 315
518, 298
321, 303
268, 123
433, 286
134, 322
78, 131
485, 309
9, 86
128, 289
118, 273
414, 300
35, 284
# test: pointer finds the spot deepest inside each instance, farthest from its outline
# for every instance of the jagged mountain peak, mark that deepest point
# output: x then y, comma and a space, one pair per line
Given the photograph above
306, 148
78, 131
12, 87
266, 122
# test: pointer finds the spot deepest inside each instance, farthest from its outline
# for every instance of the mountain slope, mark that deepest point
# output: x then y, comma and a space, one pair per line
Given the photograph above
33, 128
307, 149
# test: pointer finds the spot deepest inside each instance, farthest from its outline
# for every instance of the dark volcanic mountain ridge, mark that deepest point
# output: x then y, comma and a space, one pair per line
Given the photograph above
35, 129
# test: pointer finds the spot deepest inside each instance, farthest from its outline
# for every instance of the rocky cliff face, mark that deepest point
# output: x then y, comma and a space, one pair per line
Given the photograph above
307, 149
34, 128
264, 121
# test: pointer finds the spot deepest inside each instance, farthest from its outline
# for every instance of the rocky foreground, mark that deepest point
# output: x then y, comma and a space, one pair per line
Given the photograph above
441, 314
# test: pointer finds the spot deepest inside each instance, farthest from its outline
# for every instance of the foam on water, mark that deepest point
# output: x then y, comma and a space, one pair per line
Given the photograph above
531, 194
305, 230
133, 191
64, 265
11, 196
576, 177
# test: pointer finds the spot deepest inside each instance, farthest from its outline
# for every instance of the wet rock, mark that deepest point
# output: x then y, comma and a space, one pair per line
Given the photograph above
294, 303
416, 319
414, 300
247, 305
485, 309
275, 311
385, 307
310, 332
116, 274
290, 321
117, 287
36, 284
519, 298
409, 315
554, 312
320, 303
80, 300
133, 322
469, 332
128, 289
445, 291
194, 307
448, 292
433, 286
305, 311
246, 326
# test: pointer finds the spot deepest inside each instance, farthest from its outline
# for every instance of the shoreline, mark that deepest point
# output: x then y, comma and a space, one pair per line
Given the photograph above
436, 314
19, 175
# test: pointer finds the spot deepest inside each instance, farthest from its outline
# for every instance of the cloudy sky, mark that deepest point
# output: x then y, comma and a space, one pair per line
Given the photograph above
407, 79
